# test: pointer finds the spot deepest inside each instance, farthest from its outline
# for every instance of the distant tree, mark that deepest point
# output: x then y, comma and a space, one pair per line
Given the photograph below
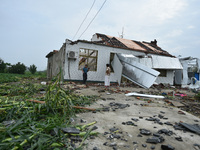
32, 69
2, 66
8, 65
18, 68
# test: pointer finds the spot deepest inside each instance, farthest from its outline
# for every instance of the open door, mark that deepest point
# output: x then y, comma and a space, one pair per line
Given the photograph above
117, 67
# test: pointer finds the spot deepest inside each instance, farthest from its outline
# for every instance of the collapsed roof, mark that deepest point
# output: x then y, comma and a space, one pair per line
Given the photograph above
146, 47
116, 42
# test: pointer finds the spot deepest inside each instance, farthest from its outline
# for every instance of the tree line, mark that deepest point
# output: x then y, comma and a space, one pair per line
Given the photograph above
18, 68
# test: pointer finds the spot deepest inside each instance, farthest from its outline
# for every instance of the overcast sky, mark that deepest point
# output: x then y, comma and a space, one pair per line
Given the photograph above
30, 29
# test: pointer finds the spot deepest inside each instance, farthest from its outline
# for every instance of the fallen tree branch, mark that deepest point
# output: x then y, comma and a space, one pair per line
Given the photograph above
79, 107
37, 101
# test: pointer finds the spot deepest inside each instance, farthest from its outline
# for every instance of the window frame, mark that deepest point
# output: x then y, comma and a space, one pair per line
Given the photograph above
88, 55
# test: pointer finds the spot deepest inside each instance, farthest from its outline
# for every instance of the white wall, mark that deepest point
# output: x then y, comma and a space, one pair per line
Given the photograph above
168, 80
103, 59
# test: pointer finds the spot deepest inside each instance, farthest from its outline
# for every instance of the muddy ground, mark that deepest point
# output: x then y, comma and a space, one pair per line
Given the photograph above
121, 118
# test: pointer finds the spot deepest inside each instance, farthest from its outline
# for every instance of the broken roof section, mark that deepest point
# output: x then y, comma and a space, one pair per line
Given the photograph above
51, 53
134, 71
160, 62
147, 47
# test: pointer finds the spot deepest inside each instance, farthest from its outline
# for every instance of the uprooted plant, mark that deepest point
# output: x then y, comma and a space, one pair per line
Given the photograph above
42, 123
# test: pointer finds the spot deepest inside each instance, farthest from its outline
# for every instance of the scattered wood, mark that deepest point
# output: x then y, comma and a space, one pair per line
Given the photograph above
37, 101
79, 107
196, 107
176, 103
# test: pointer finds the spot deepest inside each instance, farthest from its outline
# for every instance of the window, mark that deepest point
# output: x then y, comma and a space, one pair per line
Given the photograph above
163, 73
89, 57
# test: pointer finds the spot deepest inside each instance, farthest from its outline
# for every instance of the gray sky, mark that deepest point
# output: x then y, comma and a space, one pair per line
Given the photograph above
30, 29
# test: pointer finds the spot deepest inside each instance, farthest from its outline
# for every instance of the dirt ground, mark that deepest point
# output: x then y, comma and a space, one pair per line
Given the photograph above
121, 118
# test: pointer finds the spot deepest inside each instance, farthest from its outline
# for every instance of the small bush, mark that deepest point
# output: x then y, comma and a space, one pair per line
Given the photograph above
32, 69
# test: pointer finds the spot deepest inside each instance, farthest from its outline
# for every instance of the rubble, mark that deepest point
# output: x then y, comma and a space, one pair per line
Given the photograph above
146, 123
166, 132
119, 105
167, 147
196, 146
71, 130
188, 127
179, 139
155, 139
145, 132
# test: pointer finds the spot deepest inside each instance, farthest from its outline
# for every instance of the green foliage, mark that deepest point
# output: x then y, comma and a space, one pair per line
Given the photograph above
18, 68
2, 66
28, 125
197, 96
32, 69
7, 77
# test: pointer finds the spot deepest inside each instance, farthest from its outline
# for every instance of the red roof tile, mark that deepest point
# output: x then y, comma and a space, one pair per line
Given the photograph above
133, 45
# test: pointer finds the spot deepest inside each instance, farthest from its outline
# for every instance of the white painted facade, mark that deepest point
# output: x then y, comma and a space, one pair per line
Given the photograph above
169, 79
71, 71
70, 67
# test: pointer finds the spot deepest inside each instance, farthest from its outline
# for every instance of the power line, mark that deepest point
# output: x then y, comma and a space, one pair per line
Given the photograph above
83, 20
93, 18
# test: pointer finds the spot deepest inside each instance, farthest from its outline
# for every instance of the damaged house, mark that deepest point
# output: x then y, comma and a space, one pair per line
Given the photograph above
190, 72
141, 62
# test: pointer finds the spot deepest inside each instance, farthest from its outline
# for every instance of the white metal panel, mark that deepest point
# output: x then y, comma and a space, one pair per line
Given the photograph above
138, 73
198, 65
161, 62
146, 61
185, 72
144, 95
117, 66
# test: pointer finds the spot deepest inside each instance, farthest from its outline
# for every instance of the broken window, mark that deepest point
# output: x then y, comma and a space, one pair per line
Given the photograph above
163, 73
89, 57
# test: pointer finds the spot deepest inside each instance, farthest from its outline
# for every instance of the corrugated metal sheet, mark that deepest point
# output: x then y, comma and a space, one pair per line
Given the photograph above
136, 72
160, 62
146, 61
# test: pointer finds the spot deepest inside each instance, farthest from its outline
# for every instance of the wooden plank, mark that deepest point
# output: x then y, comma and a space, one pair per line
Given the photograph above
176, 103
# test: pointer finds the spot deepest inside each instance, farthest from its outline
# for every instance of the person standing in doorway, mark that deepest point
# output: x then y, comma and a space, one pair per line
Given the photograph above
85, 70
107, 76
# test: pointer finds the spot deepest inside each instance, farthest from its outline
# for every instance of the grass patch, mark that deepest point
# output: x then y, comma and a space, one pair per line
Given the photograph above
7, 77
10, 77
